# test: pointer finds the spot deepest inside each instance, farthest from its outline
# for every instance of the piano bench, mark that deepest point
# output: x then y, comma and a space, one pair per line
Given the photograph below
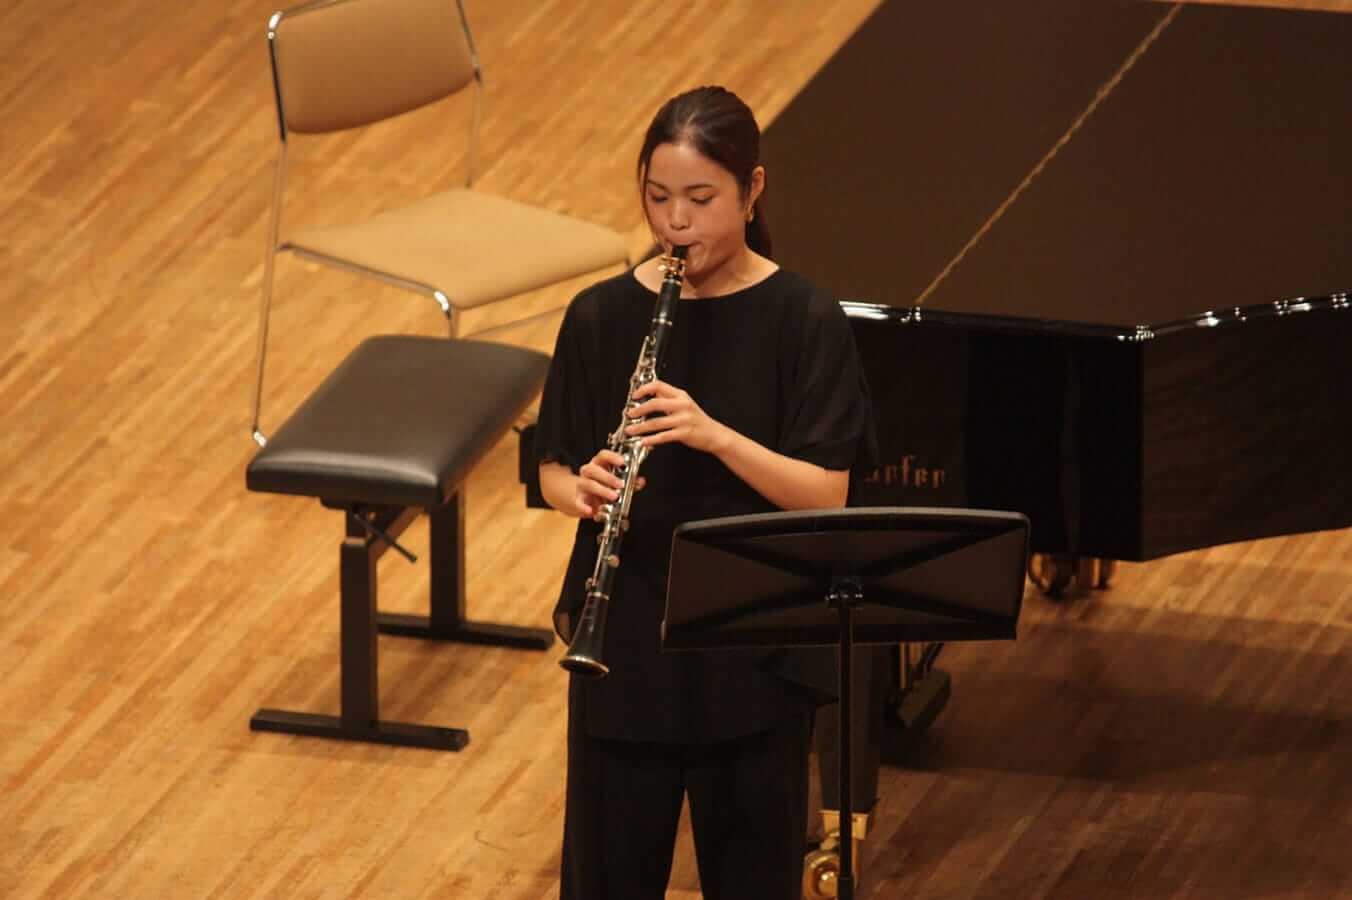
395, 430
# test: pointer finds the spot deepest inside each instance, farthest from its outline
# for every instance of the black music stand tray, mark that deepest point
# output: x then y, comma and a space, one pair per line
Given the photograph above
874, 575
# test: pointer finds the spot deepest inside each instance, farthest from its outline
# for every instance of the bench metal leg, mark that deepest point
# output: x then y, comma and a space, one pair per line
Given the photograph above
446, 621
360, 719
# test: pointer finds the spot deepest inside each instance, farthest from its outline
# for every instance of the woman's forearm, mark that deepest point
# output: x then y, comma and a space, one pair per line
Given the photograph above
558, 484
786, 482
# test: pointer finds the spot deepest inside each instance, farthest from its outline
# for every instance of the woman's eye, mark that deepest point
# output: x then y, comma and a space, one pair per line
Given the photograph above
702, 201
653, 198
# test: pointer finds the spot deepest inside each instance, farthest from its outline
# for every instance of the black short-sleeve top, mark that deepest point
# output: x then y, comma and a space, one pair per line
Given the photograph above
776, 362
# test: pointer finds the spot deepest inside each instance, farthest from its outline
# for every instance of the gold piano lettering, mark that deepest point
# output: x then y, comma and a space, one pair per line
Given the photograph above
908, 473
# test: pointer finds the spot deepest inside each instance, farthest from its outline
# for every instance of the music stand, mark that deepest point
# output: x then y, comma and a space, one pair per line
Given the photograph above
873, 575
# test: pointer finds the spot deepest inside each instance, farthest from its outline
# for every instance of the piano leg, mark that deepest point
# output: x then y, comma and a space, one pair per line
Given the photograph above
1061, 575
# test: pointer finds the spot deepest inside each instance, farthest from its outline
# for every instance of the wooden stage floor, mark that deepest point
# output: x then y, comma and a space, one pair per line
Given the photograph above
1186, 734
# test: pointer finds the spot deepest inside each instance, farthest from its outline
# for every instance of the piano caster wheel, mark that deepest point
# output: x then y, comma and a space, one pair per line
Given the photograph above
1060, 574
821, 867
820, 870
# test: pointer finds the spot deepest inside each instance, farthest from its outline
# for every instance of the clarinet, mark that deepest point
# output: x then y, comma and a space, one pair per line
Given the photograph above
584, 652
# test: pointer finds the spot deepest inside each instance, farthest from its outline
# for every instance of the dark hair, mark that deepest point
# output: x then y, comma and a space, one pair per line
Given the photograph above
719, 125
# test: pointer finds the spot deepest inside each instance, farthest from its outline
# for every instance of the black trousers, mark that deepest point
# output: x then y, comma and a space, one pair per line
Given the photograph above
748, 811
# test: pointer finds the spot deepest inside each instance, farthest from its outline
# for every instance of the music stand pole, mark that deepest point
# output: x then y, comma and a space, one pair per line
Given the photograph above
845, 595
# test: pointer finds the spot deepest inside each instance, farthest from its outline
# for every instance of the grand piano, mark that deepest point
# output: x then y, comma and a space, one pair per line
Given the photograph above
1096, 257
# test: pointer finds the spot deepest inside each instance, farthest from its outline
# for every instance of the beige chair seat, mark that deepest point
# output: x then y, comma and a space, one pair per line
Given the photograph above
471, 246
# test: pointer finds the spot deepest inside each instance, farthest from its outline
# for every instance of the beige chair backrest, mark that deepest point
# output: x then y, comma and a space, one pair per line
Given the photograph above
343, 63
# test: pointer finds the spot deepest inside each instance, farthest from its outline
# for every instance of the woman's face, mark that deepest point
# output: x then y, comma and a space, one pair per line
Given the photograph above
690, 199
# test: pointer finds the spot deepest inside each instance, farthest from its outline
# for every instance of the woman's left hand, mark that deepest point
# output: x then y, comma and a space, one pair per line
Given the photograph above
676, 417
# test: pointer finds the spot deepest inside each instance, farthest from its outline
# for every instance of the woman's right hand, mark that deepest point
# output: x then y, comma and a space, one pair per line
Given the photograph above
597, 484
583, 494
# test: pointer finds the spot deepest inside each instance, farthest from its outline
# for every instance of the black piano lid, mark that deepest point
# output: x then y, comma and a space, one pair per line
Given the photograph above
1209, 182
1201, 199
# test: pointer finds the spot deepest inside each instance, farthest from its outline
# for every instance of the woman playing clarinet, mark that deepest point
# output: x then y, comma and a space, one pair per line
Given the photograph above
759, 404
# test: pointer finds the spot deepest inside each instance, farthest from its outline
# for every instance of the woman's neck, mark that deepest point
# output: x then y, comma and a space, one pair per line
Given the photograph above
740, 271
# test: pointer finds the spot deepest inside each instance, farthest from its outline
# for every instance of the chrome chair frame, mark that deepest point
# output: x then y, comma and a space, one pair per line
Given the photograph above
279, 179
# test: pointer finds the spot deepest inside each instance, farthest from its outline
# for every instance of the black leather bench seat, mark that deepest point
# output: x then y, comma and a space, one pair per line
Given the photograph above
394, 432
401, 422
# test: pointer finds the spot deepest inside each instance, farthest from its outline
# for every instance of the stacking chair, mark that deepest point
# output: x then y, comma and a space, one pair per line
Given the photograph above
398, 426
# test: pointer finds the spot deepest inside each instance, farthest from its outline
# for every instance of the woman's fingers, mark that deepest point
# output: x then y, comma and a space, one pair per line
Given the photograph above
667, 436
651, 388
669, 414
660, 424
663, 405
594, 487
602, 473
659, 412
597, 483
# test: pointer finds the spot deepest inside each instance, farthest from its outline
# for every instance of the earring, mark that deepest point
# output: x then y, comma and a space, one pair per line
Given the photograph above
751, 214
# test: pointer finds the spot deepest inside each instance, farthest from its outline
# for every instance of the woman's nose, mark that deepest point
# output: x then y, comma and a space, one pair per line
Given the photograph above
679, 218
